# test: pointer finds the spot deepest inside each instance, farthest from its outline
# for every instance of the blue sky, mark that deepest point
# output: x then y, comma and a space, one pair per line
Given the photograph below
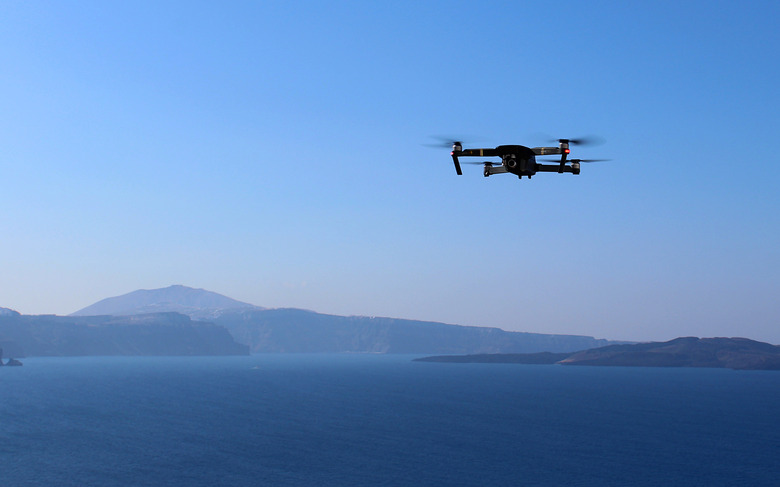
274, 152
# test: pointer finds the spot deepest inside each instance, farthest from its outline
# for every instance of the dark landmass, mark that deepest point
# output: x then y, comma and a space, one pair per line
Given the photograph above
11, 361
124, 327
543, 358
300, 331
732, 353
151, 334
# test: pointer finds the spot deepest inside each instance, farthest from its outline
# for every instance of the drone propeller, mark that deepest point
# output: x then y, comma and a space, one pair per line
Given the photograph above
454, 145
588, 140
445, 142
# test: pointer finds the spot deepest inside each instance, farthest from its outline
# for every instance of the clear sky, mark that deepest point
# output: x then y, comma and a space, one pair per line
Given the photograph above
274, 152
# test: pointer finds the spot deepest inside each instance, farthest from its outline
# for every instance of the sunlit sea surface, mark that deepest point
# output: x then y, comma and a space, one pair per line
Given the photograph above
341, 420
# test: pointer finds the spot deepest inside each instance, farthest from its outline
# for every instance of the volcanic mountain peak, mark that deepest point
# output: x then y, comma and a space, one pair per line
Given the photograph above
197, 303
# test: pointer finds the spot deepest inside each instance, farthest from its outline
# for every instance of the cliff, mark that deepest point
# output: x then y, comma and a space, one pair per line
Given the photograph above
295, 330
301, 331
150, 334
732, 353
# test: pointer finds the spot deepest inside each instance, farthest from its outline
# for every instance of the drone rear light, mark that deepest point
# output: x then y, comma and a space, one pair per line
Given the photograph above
566, 151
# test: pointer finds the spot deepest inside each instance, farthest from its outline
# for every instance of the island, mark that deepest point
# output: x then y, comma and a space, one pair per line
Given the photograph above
152, 334
731, 353
11, 361
543, 358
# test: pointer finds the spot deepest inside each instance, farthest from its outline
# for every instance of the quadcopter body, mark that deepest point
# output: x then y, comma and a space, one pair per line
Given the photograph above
521, 160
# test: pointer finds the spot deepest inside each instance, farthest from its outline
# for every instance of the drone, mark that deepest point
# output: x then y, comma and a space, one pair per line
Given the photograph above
521, 160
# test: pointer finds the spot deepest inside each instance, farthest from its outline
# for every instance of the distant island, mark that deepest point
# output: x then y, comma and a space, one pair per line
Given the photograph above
290, 330
179, 320
150, 334
732, 353
539, 358
11, 361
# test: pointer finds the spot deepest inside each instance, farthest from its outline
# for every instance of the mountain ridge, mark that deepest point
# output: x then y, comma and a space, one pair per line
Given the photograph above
286, 330
281, 330
198, 304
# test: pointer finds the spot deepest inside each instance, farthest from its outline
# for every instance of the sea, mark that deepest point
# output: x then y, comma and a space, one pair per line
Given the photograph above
382, 420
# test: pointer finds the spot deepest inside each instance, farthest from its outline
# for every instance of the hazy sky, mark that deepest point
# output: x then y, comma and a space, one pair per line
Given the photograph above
273, 152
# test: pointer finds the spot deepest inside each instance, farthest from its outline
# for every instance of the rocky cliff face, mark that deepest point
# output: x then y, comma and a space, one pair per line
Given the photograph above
295, 330
151, 334
732, 353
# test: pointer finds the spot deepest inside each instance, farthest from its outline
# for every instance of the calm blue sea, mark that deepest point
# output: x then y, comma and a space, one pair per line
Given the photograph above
347, 420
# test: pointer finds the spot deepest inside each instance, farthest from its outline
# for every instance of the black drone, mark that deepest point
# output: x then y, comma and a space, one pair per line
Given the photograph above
521, 160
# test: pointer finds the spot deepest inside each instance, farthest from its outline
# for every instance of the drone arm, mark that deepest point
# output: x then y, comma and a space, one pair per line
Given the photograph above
556, 168
479, 153
471, 153
547, 151
457, 163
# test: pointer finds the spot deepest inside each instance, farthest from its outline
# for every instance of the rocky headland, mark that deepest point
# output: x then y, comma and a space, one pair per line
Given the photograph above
731, 353
147, 334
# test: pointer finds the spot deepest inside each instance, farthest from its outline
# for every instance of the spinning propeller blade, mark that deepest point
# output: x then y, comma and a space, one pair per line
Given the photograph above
454, 145
446, 142
587, 140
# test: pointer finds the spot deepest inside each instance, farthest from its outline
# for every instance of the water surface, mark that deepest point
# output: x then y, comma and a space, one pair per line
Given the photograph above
300, 420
